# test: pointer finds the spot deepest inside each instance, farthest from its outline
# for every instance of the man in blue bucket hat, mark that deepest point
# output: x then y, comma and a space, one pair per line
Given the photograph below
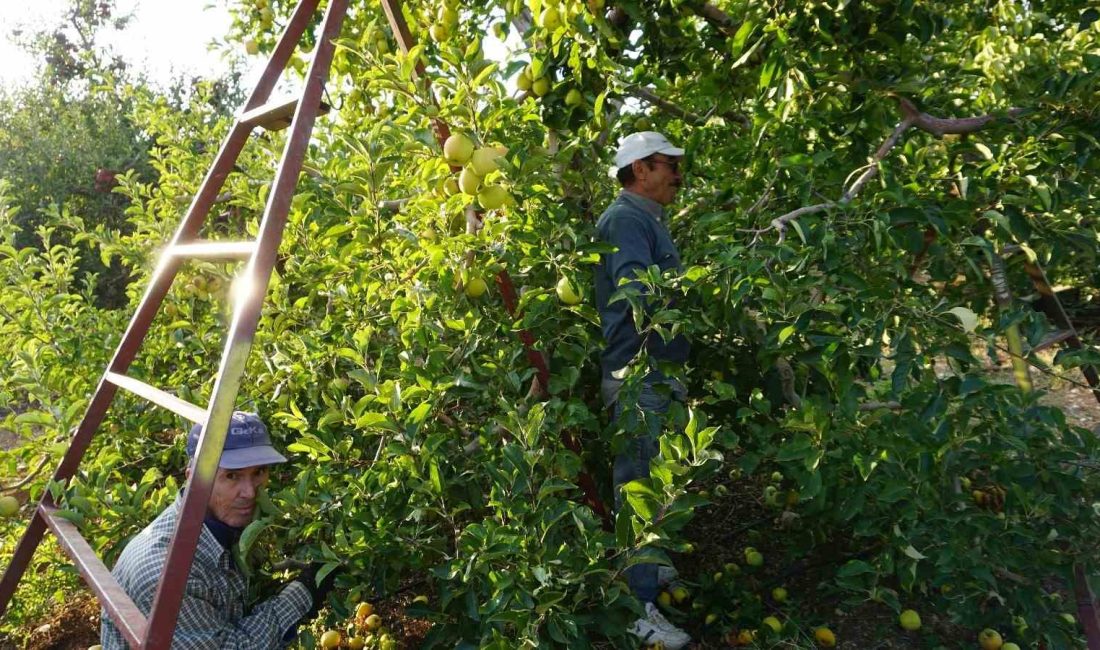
215, 612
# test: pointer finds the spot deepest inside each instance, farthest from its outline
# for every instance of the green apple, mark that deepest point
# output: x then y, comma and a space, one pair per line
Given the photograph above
680, 594
492, 197
909, 620
529, 70
540, 86
476, 288
524, 81
990, 639
448, 16
551, 18
9, 505
574, 97
251, 46
771, 496
469, 181
484, 159
439, 33
458, 149
567, 293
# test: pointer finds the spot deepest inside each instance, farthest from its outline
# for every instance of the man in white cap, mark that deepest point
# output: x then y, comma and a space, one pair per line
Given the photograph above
647, 166
215, 612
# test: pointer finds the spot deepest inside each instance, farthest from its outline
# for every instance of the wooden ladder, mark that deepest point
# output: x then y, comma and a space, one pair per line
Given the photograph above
156, 630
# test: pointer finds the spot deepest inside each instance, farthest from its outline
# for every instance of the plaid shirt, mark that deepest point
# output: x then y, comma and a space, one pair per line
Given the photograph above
213, 611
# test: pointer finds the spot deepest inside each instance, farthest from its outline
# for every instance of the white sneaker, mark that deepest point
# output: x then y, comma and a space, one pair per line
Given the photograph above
666, 575
655, 628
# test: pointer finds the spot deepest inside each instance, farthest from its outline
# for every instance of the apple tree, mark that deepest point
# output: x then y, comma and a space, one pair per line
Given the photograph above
855, 174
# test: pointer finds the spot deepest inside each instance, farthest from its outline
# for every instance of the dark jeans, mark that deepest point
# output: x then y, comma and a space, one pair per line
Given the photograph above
632, 463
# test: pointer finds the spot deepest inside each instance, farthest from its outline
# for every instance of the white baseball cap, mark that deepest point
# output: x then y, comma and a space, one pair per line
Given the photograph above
639, 145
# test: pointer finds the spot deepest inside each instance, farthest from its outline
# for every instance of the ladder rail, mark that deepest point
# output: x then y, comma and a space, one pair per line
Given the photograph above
158, 629
254, 278
132, 338
130, 621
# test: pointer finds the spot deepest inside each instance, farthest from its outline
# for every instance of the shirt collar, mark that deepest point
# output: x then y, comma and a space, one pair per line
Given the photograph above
226, 535
210, 545
646, 204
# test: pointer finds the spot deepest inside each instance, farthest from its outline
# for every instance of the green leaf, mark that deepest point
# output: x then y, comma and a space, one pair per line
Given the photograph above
914, 553
642, 499
742, 36
855, 568
251, 533
967, 318
374, 421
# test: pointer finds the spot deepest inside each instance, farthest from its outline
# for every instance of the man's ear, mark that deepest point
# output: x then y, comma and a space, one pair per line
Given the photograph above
639, 166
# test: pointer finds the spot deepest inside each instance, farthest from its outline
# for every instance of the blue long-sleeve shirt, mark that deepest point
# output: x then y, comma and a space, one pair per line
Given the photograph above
632, 223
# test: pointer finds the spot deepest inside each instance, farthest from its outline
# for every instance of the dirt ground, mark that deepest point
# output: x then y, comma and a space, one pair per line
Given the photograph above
72, 627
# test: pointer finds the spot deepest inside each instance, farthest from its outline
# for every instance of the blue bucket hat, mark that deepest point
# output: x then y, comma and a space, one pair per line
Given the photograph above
247, 444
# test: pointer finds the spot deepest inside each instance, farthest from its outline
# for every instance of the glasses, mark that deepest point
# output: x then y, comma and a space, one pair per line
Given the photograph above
673, 165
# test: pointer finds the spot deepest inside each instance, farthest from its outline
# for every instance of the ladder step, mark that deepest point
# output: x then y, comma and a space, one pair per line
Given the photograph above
131, 622
276, 115
160, 398
1053, 338
215, 250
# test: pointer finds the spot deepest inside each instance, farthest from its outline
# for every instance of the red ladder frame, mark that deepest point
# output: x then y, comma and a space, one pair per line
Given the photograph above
156, 630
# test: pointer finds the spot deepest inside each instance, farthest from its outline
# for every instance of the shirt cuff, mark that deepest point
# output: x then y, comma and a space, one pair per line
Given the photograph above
297, 595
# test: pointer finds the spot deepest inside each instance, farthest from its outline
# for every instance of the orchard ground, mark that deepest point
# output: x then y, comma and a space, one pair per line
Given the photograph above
718, 534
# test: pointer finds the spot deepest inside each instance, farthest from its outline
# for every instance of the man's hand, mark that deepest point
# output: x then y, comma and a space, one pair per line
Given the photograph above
317, 591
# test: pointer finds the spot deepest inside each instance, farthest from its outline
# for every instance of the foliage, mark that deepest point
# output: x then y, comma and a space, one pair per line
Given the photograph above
65, 137
419, 455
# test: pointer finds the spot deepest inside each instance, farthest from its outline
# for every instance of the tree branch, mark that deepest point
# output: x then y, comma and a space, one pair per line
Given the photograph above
716, 17
939, 126
911, 117
28, 478
872, 169
394, 205
674, 109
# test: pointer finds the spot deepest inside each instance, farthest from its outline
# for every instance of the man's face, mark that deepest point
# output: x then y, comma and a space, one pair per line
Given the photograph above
233, 500
658, 178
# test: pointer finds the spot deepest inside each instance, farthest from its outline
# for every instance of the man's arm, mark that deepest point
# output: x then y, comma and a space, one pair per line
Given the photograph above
202, 625
634, 241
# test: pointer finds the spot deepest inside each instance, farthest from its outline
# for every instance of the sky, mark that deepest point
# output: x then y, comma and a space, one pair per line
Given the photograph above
164, 38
